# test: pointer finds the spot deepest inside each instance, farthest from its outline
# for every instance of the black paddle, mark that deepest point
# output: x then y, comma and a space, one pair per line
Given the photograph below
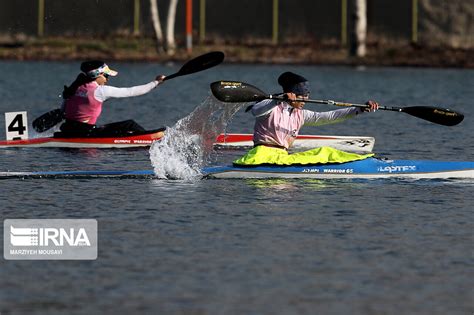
200, 63
240, 92
48, 120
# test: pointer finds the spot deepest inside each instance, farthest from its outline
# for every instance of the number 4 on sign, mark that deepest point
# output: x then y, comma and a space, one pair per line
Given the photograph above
16, 125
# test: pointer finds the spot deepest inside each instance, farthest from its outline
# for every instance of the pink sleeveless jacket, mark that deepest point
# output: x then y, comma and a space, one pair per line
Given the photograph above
279, 128
83, 107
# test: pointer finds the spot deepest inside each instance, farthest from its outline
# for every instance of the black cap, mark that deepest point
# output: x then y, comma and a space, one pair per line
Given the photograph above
292, 82
288, 80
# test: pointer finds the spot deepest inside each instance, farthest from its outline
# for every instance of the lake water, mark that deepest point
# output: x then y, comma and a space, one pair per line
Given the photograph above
248, 246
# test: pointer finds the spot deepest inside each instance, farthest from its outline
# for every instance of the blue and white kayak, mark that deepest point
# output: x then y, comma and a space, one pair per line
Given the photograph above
368, 168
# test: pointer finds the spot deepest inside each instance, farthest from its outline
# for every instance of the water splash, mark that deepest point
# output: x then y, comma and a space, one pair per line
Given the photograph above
188, 145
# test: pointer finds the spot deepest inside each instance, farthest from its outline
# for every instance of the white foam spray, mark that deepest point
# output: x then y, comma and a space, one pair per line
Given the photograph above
188, 145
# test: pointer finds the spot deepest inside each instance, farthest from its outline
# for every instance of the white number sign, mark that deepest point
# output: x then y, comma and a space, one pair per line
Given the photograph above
16, 125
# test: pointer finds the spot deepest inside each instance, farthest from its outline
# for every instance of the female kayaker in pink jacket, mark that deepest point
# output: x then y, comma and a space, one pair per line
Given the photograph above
84, 98
278, 123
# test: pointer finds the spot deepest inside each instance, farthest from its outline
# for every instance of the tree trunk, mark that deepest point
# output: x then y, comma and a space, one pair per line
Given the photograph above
358, 47
171, 44
155, 18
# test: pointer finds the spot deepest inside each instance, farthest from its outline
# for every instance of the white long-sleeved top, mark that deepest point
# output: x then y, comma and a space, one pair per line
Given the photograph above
85, 105
278, 124
311, 118
104, 92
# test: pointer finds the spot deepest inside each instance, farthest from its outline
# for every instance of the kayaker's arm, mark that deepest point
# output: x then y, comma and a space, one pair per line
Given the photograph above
264, 107
322, 118
104, 92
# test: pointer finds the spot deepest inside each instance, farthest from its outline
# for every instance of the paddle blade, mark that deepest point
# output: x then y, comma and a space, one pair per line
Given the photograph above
199, 63
435, 115
237, 92
48, 120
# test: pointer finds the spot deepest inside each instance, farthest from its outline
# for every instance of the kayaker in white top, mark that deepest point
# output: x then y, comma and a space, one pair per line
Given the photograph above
278, 123
83, 101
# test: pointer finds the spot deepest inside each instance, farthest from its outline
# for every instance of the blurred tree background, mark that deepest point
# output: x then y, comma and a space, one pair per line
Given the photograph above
317, 24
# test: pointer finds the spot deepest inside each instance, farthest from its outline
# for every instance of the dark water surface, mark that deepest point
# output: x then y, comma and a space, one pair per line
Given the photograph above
249, 246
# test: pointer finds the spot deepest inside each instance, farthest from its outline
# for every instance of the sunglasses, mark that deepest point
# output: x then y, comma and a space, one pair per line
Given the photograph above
106, 75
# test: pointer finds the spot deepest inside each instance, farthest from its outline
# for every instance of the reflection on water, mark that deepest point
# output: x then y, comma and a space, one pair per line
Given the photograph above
307, 184
274, 184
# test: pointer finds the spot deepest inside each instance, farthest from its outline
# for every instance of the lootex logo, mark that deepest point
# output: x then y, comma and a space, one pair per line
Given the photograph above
50, 239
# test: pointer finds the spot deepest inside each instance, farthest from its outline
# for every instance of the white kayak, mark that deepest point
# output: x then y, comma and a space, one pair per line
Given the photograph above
223, 141
302, 142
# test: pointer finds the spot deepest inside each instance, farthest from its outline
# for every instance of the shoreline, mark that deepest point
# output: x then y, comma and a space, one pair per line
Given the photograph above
263, 52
